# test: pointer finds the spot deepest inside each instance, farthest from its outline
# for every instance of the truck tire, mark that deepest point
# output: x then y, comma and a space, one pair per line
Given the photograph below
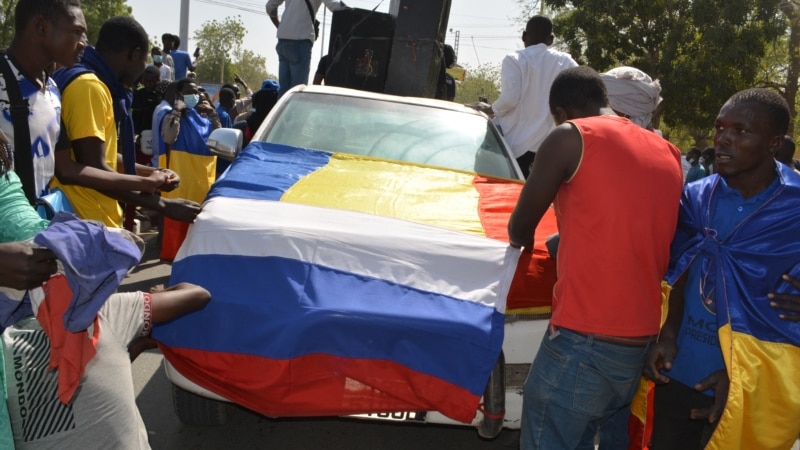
195, 410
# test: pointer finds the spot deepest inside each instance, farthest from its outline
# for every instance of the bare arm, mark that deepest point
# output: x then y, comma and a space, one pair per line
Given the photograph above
90, 170
178, 300
94, 173
169, 304
272, 12
661, 354
556, 161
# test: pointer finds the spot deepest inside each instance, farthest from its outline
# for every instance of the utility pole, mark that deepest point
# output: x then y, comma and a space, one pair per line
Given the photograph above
184, 25
455, 40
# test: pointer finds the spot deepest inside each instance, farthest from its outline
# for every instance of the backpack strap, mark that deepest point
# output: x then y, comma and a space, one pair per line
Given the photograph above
23, 158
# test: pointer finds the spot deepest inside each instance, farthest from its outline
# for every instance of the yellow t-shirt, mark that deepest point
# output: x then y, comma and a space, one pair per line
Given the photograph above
88, 111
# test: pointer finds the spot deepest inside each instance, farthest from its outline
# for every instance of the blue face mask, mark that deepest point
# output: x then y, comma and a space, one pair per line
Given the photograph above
191, 100
157, 59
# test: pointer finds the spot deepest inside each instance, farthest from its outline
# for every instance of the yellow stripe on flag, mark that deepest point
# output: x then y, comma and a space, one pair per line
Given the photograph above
197, 173
763, 408
368, 185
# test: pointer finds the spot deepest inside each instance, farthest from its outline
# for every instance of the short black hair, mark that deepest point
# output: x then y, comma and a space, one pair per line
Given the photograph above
122, 34
152, 70
578, 87
449, 55
181, 83
227, 93
695, 151
176, 41
539, 27
49, 9
774, 104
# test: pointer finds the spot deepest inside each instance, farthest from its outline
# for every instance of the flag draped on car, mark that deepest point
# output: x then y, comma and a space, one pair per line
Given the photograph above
343, 285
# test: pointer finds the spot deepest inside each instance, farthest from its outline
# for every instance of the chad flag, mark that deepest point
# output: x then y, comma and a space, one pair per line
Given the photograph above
344, 284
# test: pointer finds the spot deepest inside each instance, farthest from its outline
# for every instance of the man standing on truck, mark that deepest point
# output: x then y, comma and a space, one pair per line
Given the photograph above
607, 300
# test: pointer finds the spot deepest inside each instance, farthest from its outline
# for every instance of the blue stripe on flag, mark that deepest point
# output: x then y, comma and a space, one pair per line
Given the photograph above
282, 167
298, 308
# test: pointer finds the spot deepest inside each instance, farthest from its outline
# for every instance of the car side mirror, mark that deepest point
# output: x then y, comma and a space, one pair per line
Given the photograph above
225, 143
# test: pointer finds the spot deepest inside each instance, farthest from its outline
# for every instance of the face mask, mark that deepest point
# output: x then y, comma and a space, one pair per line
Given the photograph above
157, 59
191, 100
702, 160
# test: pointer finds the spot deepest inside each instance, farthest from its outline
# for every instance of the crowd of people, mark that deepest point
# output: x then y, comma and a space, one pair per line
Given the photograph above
107, 129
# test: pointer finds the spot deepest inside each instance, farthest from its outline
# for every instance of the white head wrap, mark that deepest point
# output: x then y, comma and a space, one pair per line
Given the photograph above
633, 93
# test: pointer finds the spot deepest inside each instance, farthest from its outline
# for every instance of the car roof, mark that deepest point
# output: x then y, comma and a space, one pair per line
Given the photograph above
418, 101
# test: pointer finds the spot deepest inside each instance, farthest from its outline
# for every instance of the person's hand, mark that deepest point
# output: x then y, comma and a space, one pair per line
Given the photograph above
23, 267
659, 356
173, 180
482, 107
155, 181
237, 78
719, 382
181, 209
204, 107
179, 107
788, 305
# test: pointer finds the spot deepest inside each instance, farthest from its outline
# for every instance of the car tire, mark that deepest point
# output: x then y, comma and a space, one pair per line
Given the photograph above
196, 410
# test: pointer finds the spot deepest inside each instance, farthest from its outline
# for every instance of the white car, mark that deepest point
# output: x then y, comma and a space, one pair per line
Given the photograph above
356, 252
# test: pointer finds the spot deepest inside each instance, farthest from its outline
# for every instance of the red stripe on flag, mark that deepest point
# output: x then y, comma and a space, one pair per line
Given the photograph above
320, 385
536, 272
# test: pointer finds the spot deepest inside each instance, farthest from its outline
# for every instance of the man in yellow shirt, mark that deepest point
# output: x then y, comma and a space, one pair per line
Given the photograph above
96, 101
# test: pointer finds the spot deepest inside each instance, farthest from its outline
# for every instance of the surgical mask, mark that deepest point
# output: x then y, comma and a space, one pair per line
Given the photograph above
157, 59
702, 160
191, 100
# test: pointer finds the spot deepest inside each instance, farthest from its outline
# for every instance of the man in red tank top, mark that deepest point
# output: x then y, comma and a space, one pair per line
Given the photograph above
616, 189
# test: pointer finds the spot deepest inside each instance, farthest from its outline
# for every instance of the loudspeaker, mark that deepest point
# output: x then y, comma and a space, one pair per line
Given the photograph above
360, 46
417, 47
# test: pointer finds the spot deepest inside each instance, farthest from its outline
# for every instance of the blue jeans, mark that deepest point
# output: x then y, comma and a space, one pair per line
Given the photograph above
294, 58
576, 383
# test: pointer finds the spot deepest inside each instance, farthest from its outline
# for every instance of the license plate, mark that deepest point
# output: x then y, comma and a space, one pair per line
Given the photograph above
396, 416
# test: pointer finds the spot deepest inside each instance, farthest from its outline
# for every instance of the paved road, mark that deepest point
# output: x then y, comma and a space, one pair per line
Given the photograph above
247, 430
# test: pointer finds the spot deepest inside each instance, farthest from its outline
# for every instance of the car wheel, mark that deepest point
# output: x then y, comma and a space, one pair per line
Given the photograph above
193, 409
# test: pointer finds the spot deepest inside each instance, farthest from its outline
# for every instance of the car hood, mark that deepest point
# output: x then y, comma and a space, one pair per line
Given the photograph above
344, 285
450, 199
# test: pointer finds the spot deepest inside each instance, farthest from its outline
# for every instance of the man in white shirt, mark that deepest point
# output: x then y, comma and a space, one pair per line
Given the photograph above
522, 110
296, 36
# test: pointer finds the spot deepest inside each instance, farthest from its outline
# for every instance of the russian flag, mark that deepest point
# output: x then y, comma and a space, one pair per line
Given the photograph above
333, 294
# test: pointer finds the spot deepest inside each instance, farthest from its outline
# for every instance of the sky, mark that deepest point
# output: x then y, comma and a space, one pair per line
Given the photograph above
487, 30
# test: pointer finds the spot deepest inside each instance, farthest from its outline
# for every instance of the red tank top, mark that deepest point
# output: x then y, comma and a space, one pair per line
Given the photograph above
616, 216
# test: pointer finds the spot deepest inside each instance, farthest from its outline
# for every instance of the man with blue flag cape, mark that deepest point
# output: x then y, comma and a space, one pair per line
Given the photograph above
725, 363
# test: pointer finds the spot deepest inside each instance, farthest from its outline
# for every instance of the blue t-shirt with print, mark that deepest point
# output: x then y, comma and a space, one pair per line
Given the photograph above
699, 352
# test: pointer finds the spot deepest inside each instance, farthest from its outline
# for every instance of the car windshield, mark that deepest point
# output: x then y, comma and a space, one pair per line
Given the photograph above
390, 130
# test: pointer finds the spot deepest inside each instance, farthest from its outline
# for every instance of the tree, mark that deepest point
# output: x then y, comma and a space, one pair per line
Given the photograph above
220, 41
252, 68
482, 81
791, 9
95, 11
702, 51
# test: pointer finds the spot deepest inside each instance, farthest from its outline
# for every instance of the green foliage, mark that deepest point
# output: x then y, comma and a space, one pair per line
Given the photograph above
481, 81
702, 51
223, 56
6, 22
219, 41
95, 11
98, 11
253, 69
